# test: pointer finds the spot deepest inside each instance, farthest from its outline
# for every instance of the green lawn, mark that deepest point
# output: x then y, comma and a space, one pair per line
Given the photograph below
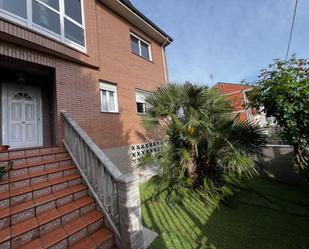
269, 215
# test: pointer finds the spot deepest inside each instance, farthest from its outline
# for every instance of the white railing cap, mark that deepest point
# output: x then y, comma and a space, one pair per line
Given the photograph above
108, 164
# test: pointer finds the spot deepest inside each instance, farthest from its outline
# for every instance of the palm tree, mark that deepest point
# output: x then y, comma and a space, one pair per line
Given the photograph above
207, 148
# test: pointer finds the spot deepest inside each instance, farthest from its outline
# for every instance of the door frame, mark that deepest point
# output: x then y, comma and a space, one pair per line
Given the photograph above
5, 135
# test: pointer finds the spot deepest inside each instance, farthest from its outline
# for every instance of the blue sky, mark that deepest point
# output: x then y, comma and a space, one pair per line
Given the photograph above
229, 39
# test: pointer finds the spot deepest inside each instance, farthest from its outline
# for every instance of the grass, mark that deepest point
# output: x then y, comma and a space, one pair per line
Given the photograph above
269, 215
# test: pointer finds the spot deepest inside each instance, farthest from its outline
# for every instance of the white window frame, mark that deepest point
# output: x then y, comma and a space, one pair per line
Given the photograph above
140, 97
140, 46
61, 12
109, 88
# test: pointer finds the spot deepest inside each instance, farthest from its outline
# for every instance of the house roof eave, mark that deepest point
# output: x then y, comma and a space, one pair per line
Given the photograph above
125, 9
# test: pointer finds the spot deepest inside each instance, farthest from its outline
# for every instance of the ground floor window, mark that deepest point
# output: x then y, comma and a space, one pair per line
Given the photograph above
141, 103
109, 99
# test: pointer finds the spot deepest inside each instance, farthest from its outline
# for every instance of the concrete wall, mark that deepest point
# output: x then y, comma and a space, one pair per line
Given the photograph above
278, 164
121, 157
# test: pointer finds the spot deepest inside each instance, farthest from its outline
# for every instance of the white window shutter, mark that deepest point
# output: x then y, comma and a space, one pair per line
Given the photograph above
141, 96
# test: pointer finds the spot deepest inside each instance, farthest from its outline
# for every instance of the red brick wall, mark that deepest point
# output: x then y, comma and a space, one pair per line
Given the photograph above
108, 57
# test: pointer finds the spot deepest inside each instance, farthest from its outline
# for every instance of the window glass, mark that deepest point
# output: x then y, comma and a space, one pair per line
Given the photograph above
73, 9
65, 24
140, 107
104, 100
52, 3
45, 17
139, 47
111, 101
74, 33
145, 50
16, 7
134, 44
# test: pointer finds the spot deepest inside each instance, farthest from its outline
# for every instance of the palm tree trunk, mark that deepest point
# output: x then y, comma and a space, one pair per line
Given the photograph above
191, 166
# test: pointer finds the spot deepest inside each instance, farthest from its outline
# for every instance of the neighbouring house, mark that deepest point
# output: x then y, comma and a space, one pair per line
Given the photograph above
77, 72
238, 95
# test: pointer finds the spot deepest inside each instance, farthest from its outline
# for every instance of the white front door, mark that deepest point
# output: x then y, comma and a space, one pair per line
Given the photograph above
22, 125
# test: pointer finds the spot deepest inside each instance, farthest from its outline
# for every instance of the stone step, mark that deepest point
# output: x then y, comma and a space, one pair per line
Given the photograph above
5, 235
32, 158
19, 169
36, 184
103, 236
34, 177
29, 151
32, 207
43, 203
52, 219
28, 234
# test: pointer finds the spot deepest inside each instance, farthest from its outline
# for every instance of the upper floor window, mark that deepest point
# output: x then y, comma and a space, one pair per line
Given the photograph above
141, 103
109, 98
140, 47
59, 19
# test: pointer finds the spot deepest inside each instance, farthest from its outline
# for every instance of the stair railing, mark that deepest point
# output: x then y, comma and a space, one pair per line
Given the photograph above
117, 195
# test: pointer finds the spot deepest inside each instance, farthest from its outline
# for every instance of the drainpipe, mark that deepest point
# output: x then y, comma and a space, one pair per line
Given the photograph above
248, 116
164, 61
249, 113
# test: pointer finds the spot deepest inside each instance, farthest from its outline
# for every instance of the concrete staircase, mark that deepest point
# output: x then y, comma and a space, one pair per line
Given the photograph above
44, 204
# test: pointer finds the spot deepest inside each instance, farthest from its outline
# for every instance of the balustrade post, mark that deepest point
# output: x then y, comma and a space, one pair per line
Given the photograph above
130, 216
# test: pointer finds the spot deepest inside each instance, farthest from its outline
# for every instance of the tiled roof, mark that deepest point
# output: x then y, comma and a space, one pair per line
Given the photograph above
237, 101
229, 88
234, 93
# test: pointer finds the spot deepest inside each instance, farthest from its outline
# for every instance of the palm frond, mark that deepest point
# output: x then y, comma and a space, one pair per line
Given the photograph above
201, 132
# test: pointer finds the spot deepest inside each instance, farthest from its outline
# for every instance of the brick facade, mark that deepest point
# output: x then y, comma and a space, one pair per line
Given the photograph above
108, 57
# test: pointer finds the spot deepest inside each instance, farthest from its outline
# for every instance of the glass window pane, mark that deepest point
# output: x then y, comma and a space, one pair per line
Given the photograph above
74, 33
104, 100
17, 7
45, 17
73, 9
140, 107
134, 44
112, 101
145, 50
52, 3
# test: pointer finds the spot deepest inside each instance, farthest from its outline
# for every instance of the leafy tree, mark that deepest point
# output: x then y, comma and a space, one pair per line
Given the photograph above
207, 149
282, 91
